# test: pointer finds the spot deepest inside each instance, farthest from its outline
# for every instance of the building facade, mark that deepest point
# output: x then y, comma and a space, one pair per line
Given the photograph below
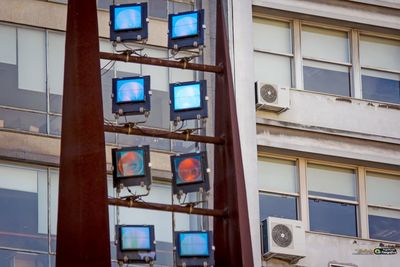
330, 160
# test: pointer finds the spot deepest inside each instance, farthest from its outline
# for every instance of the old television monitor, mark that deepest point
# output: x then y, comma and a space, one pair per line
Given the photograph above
131, 95
131, 166
186, 30
190, 173
193, 248
128, 22
188, 100
136, 243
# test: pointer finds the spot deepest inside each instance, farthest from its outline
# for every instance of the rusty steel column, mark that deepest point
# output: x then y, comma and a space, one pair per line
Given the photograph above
231, 234
83, 230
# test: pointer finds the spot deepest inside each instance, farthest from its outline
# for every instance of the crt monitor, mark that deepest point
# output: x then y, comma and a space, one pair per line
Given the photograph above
193, 244
186, 30
135, 237
131, 95
128, 22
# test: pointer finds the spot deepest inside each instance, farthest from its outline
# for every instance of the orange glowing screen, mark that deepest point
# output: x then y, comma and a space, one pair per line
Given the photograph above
130, 163
188, 170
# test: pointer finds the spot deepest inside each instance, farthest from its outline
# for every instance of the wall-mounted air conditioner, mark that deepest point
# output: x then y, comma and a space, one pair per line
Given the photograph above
272, 97
283, 239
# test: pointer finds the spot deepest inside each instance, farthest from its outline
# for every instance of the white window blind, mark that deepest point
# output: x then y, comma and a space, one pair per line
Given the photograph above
277, 175
8, 45
380, 52
271, 35
56, 54
272, 69
383, 189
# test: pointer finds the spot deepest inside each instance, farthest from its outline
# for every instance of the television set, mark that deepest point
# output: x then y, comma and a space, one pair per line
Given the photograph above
131, 166
189, 173
135, 243
128, 22
188, 100
131, 95
186, 30
194, 248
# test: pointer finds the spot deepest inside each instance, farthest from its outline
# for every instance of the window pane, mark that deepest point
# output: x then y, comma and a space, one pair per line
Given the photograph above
55, 70
326, 78
277, 206
383, 189
158, 8
384, 224
158, 74
178, 75
8, 45
325, 44
272, 35
31, 65
381, 86
9, 258
277, 175
331, 217
379, 52
331, 182
153, 142
272, 69
22, 120
23, 196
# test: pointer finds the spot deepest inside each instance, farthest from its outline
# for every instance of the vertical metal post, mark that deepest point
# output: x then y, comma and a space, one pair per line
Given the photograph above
231, 234
83, 230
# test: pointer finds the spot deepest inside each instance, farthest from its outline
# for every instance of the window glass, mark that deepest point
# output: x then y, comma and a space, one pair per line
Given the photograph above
333, 182
159, 74
277, 206
10, 258
272, 69
381, 86
23, 196
380, 53
325, 44
179, 75
8, 45
332, 217
384, 224
326, 78
272, 35
277, 175
31, 65
23, 120
383, 189
158, 8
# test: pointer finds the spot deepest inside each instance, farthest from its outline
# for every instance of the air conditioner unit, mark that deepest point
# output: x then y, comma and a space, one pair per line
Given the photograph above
272, 97
283, 239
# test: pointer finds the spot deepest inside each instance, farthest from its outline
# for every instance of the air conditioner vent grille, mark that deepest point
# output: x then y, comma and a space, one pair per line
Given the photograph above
282, 235
268, 93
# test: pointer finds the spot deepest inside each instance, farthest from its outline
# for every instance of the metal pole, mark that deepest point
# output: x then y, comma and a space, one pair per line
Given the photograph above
166, 207
83, 230
144, 131
162, 62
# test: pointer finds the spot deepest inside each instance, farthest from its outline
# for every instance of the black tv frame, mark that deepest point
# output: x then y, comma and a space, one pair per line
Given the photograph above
194, 261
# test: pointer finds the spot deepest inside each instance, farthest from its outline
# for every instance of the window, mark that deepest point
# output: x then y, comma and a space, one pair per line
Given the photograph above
380, 68
278, 184
326, 60
273, 51
332, 199
383, 191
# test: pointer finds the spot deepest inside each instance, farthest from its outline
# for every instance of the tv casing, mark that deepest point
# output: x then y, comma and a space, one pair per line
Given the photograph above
195, 186
187, 42
134, 255
194, 261
189, 114
141, 180
130, 34
134, 107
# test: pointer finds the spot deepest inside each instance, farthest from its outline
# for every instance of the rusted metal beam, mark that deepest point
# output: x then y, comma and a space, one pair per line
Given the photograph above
162, 62
82, 230
166, 207
145, 131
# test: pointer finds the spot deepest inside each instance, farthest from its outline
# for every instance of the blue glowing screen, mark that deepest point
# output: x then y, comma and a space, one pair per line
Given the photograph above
187, 97
193, 244
130, 90
128, 18
184, 25
135, 238
130, 163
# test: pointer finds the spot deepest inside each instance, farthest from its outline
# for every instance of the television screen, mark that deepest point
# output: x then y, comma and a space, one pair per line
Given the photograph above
187, 97
184, 25
193, 244
130, 90
130, 163
127, 17
135, 238
188, 169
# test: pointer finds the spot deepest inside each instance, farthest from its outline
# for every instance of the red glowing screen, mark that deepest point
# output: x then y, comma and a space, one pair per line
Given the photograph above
188, 169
